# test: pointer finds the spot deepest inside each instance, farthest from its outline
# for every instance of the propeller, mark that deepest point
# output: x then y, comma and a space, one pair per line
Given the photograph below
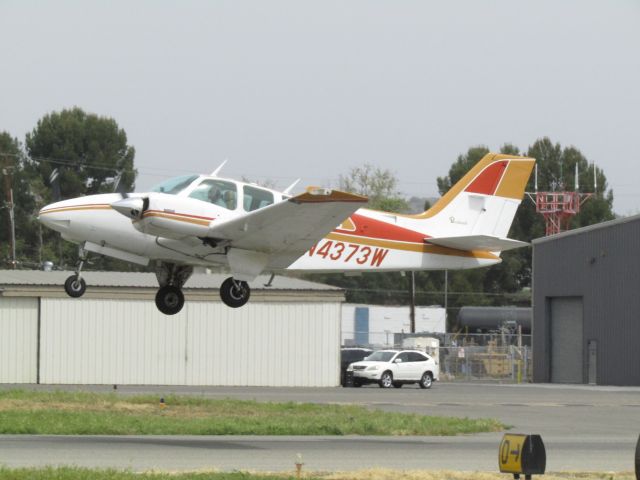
131, 207
54, 183
118, 186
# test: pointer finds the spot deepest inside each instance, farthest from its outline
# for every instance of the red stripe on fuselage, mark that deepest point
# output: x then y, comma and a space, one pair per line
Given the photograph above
371, 228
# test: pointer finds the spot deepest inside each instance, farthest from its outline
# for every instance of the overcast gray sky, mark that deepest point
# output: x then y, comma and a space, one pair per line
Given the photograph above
289, 89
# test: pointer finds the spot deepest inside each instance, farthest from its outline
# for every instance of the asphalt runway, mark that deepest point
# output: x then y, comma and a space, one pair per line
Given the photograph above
584, 428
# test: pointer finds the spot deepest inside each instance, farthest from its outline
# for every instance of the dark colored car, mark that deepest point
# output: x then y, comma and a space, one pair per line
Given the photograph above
348, 356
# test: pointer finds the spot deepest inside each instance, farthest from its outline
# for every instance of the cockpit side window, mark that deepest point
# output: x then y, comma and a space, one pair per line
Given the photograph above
255, 198
218, 192
173, 186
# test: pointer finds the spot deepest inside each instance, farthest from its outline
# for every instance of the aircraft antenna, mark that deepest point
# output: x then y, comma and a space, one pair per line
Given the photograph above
287, 190
217, 170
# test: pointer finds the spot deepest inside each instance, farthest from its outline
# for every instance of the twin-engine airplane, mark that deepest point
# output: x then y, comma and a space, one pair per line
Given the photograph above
201, 220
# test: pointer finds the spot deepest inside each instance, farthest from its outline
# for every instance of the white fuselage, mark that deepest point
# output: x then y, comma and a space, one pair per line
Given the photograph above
174, 226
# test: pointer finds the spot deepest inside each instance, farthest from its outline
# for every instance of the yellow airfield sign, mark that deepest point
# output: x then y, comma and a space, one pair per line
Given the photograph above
522, 454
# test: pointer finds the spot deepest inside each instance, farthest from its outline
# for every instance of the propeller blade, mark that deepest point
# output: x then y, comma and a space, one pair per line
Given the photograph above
118, 186
54, 183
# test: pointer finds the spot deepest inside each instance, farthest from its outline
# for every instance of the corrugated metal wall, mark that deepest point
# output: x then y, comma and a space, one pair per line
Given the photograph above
18, 340
130, 342
602, 266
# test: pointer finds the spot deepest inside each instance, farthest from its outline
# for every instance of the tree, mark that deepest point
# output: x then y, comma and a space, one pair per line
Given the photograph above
377, 184
556, 167
26, 188
387, 288
89, 152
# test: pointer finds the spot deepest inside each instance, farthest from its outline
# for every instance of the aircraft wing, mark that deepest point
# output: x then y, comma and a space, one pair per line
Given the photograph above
288, 229
477, 242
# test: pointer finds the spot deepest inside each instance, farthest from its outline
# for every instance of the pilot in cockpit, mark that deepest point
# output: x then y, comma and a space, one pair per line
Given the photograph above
230, 199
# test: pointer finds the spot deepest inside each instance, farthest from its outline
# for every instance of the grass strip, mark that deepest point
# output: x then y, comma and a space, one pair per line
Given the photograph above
80, 413
72, 473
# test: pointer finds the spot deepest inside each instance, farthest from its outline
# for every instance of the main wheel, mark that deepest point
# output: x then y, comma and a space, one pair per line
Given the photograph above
234, 293
75, 286
426, 381
386, 380
169, 299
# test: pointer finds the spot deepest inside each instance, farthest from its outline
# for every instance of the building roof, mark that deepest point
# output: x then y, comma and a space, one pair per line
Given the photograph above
589, 228
148, 280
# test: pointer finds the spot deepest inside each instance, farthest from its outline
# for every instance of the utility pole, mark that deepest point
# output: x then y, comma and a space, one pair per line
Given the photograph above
412, 303
6, 171
446, 295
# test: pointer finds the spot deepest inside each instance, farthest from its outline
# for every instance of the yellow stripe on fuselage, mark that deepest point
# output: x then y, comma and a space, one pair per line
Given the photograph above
177, 217
410, 247
77, 207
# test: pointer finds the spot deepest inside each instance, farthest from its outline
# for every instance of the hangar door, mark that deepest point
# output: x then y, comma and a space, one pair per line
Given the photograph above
566, 340
18, 340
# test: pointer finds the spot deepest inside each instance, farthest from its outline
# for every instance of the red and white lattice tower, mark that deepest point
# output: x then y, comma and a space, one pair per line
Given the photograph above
559, 207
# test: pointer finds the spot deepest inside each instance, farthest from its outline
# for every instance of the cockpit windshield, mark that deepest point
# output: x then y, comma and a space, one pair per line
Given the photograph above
173, 186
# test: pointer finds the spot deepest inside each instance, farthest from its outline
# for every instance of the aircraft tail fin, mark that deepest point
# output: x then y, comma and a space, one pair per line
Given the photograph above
482, 204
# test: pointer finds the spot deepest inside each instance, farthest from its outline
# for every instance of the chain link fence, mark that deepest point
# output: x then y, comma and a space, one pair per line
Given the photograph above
507, 363
500, 356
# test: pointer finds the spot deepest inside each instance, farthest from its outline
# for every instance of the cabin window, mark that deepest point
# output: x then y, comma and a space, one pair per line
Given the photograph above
217, 192
255, 198
173, 186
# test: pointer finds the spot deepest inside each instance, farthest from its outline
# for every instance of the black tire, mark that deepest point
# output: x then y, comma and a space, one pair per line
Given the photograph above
169, 300
357, 383
234, 293
74, 286
386, 380
397, 385
426, 381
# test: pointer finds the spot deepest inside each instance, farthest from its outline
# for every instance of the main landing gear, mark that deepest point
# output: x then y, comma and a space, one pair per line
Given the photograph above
170, 299
171, 278
75, 286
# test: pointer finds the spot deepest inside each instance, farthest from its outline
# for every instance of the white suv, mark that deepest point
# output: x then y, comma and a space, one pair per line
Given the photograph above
394, 368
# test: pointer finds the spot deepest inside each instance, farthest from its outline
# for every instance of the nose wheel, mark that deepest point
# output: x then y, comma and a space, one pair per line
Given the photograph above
75, 286
169, 299
234, 293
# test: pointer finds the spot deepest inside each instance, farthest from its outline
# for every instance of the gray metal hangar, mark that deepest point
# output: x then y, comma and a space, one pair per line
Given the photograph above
586, 305
287, 335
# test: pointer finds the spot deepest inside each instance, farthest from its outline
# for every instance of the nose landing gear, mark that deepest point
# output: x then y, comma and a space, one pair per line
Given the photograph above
75, 286
234, 293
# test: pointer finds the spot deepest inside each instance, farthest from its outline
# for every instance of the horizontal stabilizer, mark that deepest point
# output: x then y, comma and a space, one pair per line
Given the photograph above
477, 242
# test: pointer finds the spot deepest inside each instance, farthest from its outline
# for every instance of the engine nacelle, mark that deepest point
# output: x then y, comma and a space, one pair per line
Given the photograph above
168, 216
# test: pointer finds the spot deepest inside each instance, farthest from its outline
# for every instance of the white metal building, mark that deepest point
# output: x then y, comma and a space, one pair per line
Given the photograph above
376, 324
287, 335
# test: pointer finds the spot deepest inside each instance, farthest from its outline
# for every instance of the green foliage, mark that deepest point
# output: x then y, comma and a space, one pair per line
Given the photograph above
556, 169
502, 284
377, 184
89, 151
27, 189
62, 413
